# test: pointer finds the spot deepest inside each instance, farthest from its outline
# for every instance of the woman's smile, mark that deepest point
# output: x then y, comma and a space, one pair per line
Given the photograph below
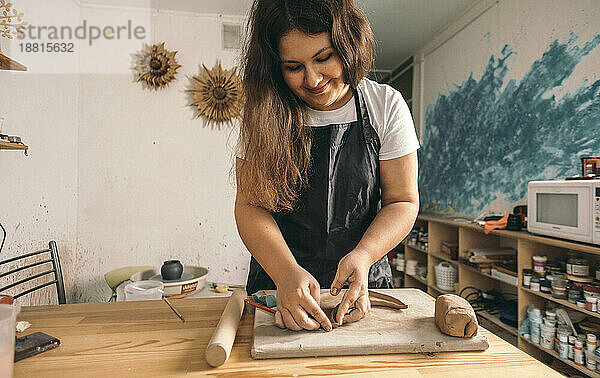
313, 71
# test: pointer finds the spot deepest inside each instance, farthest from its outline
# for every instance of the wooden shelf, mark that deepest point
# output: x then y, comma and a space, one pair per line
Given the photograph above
414, 247
468, 235
496, 320
524, 235
561, 302
441, 290
551, 352
4, 145
486, 275
445, 258
417, 278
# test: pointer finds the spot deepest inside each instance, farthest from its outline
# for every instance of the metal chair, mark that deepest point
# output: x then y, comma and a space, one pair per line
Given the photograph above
55, 271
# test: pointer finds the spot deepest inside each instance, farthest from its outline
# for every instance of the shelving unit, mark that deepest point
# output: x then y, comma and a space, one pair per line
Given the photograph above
4, 145
551, 352
469, 235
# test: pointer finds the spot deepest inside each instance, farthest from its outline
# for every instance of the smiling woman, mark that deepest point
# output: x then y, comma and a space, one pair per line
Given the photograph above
320, 147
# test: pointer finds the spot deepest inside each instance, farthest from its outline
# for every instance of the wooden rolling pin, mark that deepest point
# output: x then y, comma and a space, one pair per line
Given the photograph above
221, 342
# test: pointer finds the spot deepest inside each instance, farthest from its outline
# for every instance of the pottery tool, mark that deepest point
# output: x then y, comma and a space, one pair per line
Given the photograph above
174, 310
179, 296
219, 346
376, 299
258, 305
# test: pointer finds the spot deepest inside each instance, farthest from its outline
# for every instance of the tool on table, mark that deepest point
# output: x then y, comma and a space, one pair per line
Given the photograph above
258, 305
174, 310
223, 288
179, 296
219, 346
377, 299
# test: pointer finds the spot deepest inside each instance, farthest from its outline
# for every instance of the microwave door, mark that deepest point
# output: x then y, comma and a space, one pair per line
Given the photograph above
561, 212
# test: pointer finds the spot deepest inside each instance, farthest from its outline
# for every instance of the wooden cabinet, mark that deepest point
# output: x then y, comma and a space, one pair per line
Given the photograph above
469, 235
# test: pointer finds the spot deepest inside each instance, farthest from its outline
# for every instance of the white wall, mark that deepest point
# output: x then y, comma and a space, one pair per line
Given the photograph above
117, 174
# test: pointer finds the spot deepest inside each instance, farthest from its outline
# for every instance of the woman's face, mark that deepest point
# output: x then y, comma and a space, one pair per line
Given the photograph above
312, 70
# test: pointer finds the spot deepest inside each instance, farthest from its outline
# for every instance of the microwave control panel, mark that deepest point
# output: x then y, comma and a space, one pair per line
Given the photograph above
596, 214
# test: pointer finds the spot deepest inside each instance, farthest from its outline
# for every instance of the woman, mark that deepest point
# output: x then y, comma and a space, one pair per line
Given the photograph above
320, 146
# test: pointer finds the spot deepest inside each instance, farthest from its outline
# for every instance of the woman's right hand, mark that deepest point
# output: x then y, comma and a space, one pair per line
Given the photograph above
298, 302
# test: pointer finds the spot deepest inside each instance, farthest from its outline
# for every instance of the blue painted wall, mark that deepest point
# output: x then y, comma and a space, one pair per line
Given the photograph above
487, 138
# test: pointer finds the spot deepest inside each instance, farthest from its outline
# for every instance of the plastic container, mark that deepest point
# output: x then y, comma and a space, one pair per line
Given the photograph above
527, 275
574, 293
547, 333
559, 288
8, 316
539, 264
578, 353
144, 290
563, 349
591, 304
581, 303
572, 340
578, 266
545, 286
590, 344
535, 283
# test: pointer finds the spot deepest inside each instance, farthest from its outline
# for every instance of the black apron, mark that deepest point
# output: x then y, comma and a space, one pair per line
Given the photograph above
333, 212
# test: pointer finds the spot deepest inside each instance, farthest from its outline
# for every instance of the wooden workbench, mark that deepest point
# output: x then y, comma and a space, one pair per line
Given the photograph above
146, 339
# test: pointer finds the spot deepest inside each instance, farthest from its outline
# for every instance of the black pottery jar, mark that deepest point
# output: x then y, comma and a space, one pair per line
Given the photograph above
171, 270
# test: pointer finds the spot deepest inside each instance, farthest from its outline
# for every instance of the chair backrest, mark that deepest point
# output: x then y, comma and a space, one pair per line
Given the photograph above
57, 278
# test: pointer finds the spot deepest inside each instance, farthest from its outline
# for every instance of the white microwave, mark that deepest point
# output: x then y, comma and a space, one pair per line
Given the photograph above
568, 209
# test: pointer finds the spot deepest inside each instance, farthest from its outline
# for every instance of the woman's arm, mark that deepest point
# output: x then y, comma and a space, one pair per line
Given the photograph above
400, 205
298, 292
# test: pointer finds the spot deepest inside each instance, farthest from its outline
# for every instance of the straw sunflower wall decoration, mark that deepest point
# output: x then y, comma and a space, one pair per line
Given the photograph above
217, 94
156, 66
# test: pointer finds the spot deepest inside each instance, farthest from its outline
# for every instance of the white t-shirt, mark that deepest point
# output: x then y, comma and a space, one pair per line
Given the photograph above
389, 115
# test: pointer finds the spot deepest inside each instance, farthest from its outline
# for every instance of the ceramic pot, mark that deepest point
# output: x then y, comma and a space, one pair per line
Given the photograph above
171, 270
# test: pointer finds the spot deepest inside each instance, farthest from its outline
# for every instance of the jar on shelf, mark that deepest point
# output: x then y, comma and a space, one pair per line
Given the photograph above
545, 286
527, 274
553, 267
578, 353
535, 283
559, 288
579, 266
574, 293
539, 264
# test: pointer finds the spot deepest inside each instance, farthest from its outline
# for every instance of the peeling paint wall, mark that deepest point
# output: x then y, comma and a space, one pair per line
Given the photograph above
512, 97
117, 174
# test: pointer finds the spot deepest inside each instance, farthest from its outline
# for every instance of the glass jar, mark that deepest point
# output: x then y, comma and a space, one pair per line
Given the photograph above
579, 266
559, 288
535, 283
527, 274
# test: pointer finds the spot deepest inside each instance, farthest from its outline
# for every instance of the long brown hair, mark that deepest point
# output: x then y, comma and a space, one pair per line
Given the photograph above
274, 141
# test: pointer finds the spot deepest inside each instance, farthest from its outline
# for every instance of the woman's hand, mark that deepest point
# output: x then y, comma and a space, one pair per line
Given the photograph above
353, 268
298, 303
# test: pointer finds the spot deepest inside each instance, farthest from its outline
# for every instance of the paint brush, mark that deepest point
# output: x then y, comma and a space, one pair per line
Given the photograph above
174, 310
258, 305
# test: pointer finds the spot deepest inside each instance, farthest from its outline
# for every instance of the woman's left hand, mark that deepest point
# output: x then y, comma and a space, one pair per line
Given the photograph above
354, 269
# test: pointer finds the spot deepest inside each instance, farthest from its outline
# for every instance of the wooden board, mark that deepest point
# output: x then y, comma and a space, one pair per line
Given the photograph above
382, 331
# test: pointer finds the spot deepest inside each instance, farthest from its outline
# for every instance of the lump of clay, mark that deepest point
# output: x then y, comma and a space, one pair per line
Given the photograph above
454, 316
